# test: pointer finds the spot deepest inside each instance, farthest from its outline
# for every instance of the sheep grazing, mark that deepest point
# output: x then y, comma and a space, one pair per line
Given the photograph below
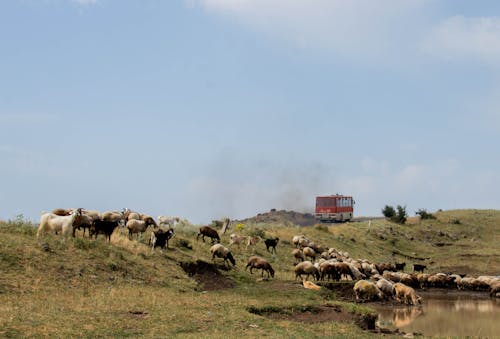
309, 252
138, 226
367, 290
298, 240
166, 220
57, 223
327, 269
406, 294
298, 255
260, 263
105, 227
344, 269
306, 268
220, 251
271, 243
160, 238
236, 239
207, 231
386, 286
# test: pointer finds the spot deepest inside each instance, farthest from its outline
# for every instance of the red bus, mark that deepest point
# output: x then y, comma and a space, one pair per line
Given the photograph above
334, 208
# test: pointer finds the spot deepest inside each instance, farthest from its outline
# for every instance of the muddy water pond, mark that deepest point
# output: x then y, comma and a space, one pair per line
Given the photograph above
445, 313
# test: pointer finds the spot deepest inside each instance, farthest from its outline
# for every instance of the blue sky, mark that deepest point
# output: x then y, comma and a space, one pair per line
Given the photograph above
211, 108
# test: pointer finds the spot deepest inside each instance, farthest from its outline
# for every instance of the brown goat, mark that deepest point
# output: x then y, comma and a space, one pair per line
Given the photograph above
207, 231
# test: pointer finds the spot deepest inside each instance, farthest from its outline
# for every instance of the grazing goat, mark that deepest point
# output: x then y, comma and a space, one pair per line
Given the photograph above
57, 223
419, 268
400, 266
271, 243
105, 227
139, 226
160, 238
220, 251
260, 263
207, 231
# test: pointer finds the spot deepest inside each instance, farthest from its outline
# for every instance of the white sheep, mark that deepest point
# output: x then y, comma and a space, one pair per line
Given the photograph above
297, 239
138, 226
220, 251
57, 223
166, 220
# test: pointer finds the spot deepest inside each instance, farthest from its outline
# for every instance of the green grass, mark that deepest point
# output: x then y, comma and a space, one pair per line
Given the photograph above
59, 287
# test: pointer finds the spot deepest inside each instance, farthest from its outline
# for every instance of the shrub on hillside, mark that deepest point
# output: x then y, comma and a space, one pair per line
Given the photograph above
397, 215
389, 212
424, 214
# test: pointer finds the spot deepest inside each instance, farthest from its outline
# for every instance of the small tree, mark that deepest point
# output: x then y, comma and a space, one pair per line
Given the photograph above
401, 215
389, 212
424, 214
397, 215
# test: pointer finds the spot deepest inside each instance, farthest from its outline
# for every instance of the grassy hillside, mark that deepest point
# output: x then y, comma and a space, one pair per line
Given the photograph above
82, 287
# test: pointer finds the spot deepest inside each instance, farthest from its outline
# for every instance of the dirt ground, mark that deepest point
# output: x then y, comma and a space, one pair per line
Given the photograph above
207, 275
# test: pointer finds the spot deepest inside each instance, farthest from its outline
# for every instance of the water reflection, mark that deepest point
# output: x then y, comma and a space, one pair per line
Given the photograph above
471, 315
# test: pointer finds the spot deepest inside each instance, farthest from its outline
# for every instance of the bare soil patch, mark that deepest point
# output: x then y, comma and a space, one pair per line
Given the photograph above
316, 314
207, 275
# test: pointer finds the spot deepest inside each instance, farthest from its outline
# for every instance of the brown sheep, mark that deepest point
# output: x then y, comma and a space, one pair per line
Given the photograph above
260, 263
406, 294
207, 231
309, 252
306, 268
298, 255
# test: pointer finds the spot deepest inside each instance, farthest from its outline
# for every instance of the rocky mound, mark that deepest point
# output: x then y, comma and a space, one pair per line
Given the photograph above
282, 216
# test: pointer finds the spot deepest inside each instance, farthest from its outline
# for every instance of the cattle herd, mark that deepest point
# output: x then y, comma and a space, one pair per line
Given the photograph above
373, 281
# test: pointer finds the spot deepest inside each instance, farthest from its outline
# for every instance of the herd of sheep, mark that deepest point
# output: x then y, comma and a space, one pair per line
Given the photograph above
374, 281
379, 281
67, 221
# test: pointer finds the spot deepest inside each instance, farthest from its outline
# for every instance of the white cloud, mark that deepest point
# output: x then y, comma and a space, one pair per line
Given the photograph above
85, 2
384, 31
352, 29
461, 38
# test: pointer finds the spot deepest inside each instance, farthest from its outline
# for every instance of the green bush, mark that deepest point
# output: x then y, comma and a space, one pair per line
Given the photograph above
424, 214
397, 215
389, 212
